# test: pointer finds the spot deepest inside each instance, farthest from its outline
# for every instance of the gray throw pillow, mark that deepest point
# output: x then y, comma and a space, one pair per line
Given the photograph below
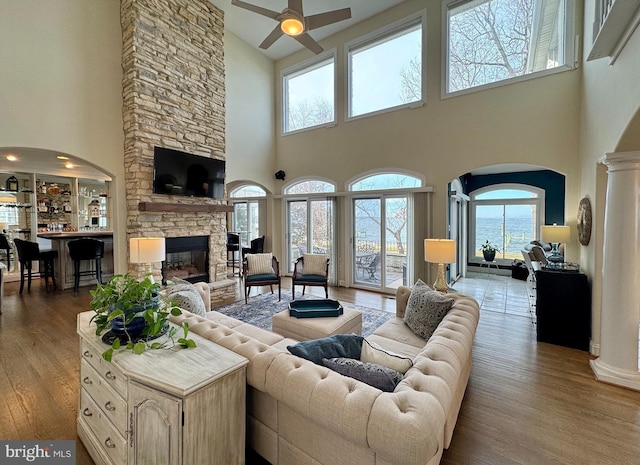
186, 296
425, 310
375, 375
340, 345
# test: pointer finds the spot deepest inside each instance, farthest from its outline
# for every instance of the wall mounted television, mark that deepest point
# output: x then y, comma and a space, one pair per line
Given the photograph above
180, 173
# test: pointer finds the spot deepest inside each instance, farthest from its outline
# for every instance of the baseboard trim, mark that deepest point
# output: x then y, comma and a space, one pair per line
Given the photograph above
612, 375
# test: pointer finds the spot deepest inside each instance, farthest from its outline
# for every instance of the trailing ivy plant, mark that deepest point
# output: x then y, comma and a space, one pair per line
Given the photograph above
122, 300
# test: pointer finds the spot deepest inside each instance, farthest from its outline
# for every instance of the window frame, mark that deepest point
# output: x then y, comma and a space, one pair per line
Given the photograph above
379, 35
301, 68
539, 201
570, 45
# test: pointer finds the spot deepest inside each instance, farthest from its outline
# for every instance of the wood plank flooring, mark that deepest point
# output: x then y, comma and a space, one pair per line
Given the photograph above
526, 403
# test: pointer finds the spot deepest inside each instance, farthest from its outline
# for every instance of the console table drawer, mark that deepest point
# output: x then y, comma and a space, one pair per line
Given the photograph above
110, 403
105, 436
106, 370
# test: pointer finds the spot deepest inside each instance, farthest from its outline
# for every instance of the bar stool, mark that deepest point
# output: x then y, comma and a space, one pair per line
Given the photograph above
86, 249
233, 246
28, 252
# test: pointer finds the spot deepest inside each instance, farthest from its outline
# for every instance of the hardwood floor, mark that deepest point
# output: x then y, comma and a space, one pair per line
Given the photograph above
526, 402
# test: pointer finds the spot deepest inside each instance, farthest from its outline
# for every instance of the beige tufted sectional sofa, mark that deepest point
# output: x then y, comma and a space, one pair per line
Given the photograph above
300, 413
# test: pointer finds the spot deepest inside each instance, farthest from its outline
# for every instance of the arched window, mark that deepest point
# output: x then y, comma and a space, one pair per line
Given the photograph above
310, 186
381, 214
509, 216
247, 203
383, 181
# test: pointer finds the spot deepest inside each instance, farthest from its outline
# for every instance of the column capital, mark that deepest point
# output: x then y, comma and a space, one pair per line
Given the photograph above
621, 160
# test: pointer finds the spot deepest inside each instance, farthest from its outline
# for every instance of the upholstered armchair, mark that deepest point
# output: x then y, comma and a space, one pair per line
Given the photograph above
261, 269
311, 270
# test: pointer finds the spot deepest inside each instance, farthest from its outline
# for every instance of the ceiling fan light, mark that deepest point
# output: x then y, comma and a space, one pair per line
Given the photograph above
292, 26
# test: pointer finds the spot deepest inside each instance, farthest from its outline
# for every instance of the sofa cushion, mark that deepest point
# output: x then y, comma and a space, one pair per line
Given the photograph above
259, 263
425, 310
340, 345
373, 374
373, 353
185, 295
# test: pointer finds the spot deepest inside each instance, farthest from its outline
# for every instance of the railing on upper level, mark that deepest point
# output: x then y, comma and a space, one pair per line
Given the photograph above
614, 23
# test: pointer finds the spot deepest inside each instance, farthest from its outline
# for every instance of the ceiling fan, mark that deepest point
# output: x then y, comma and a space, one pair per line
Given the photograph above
293, 23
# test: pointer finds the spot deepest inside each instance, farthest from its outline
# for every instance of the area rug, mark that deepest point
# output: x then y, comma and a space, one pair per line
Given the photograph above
261, 308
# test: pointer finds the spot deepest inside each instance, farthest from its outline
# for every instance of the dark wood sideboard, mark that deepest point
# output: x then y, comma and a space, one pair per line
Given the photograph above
563, 308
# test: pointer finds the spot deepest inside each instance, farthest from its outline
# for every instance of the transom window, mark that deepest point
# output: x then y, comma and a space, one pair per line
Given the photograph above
248, 191
508, 216
385, 68
308, 93
386, 181
490, 41
310, 186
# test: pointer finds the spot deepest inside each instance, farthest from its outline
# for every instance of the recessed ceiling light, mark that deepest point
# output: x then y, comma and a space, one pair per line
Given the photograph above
62, 157
12, 157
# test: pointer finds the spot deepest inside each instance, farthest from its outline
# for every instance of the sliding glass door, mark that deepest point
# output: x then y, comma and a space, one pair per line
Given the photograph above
310, 228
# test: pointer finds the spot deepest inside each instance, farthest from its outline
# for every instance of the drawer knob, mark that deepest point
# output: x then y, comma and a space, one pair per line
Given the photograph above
109, 407
110, 375
87, 354
87, 413
109, 443
86, 380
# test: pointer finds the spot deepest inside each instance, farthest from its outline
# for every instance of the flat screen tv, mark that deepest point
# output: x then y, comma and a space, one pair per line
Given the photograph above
180, 173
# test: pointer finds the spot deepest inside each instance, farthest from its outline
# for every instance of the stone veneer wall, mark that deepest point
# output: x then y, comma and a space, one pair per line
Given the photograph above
173, 96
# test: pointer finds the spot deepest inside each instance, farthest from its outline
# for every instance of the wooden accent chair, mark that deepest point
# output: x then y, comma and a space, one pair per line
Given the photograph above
319, 276
255, 274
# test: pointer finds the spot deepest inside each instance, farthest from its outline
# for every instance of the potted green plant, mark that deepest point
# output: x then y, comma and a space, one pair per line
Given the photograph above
488, 251
136, 313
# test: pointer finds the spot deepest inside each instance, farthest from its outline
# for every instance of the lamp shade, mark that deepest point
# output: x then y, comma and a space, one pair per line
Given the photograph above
440, 250
4, 226
146, 249
555, 234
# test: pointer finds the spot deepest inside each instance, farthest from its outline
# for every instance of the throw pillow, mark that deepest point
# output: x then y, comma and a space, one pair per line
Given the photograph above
375, 375
373, 353
340, 345
259, 263
185, 295
315, 264
425, 310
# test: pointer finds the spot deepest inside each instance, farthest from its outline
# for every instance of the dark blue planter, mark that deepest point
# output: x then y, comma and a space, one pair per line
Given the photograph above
137, 325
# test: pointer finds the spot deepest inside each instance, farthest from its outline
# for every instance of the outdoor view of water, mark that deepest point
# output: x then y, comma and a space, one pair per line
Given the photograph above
518, 232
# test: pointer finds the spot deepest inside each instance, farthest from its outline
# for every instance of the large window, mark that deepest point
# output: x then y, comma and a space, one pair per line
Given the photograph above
490, 41
385, 68
246, 212
508, 216
308, 94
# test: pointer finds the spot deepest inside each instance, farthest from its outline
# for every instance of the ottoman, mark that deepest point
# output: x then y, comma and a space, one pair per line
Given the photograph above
304, 329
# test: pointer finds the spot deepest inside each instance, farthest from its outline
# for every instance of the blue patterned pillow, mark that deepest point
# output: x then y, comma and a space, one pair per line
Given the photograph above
375, 375
340, 345
425, 310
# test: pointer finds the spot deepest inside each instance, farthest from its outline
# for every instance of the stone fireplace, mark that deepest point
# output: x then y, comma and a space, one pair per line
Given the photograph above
187, 258
173, 96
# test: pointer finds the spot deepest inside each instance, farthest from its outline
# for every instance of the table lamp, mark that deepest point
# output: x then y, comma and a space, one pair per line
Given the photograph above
147, 250
555, 235
440, 251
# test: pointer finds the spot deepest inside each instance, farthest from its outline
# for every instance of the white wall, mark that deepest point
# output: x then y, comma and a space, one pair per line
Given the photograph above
610, 104
535, 122
60, 83
250, 113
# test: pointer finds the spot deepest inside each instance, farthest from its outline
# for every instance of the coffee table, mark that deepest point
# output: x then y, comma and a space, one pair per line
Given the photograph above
304, 329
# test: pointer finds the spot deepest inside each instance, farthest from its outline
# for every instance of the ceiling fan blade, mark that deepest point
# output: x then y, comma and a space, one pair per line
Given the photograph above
308, 41
271, 38
296, 5
256, 9
324, 19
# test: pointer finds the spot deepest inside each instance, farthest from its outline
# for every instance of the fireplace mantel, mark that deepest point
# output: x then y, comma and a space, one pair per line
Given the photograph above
183, 207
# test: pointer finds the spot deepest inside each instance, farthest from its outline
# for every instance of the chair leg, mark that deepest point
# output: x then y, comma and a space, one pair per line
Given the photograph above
303, 289
326, 292
99, 269
21, 276
279, 292
271, 287
29, 265
246, 293
76, 275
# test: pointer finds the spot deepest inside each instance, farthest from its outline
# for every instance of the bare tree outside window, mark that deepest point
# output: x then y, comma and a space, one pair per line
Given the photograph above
310, 113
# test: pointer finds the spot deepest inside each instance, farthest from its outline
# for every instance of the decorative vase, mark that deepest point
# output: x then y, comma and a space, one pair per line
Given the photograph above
136, 326
489, 256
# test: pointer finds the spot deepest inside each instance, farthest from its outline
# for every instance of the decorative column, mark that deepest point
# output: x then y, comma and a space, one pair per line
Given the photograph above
618, 362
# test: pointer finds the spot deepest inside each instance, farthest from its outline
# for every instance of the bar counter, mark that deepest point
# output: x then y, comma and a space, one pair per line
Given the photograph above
64, 265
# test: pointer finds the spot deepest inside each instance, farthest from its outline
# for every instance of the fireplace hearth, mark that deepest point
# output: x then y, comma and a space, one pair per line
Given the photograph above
186, 258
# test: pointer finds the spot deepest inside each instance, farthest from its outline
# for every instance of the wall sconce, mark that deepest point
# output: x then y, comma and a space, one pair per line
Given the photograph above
440, 251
